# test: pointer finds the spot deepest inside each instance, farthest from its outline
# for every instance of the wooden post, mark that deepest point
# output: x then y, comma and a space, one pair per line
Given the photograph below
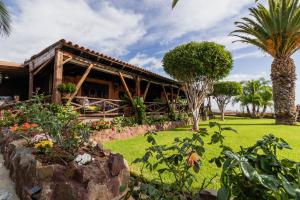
146, 91
57, 76
126, 87
80, 82
172, 99
138, 86
30, 87
165, 93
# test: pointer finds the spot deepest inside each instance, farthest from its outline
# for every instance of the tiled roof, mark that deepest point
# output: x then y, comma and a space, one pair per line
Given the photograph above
9, 64
64, 42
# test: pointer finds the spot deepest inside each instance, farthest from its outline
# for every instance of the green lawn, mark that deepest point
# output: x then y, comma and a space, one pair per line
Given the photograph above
249, 130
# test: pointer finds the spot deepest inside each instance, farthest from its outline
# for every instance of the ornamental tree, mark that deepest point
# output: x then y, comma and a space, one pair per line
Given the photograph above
224, 92
198, 65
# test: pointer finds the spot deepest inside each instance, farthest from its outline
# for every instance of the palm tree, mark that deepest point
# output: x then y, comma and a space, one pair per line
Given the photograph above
266, 96
275, 30
4, 20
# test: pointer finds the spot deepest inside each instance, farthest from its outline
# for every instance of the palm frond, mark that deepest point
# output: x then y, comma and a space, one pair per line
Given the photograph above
274, 29
174, 3
4, 20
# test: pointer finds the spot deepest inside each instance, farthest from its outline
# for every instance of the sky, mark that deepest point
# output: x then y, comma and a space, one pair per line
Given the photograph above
137, 31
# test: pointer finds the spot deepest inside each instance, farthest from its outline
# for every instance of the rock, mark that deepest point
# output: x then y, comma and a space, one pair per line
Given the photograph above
97, 191
40, 137
83, 159
45, 172
5, 195
116, 164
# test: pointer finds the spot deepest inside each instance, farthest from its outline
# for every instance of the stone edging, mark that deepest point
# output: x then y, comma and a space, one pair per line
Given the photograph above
100, 179
128, 132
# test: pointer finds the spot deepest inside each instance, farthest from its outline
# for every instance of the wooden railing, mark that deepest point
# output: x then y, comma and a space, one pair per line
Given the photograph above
98, 107
155, 108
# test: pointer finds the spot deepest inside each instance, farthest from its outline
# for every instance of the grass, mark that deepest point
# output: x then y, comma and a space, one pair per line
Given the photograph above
249, 130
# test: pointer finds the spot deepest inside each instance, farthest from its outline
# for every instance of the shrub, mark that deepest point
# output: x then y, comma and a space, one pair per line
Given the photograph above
120, 122
100, 125
178, 160
139, 109
256, 172
67, 88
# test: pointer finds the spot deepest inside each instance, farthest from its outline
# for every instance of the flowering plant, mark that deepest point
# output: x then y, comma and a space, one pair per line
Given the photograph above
44, 146
24, 127
100, 125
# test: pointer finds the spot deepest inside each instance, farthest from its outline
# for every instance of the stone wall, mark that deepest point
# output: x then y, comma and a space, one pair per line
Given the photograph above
99, 180
128, 132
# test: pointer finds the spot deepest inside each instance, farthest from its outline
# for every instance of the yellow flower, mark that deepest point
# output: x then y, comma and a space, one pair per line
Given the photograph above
44, 144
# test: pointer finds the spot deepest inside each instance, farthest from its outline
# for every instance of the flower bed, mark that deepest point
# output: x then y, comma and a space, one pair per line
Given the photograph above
103, 177
127, 132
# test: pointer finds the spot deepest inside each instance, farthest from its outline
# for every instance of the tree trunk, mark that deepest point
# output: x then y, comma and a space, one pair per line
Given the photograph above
248, 110
263, 112
253, 111
195, 119
283, 76
222, 115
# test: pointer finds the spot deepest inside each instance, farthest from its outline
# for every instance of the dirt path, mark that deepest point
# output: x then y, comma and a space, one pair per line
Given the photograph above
7, 186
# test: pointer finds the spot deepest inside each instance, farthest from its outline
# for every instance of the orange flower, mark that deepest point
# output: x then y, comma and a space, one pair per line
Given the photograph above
26, 126
34, 125
192, 159
14, 128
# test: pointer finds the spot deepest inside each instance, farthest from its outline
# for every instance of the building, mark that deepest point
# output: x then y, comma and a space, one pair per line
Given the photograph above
105, 86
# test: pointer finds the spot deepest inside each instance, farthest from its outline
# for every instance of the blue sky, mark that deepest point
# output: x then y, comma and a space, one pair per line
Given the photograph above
137, 31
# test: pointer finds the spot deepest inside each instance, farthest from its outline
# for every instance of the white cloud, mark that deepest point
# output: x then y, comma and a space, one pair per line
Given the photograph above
40, 23
246, 77
144, 60
190, 16
253, 54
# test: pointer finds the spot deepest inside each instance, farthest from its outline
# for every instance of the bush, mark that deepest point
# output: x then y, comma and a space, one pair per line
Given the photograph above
100, 125
139, 109
256, 172
58, 121
179, 160
67, 88
120, 122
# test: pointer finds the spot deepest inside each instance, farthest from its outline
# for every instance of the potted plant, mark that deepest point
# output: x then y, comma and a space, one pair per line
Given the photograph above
66, 89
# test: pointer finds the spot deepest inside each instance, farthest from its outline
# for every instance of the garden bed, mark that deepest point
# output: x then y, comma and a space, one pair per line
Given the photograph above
128, 132
39, 178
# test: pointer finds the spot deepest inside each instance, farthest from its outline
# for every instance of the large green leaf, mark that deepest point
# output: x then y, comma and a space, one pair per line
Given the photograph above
223, 194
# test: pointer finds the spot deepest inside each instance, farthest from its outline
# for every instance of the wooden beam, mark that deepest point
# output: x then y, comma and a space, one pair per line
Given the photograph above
146, 90
165, 93
30, 88
57, 76
80, 82
42, 67
67, 60
138, 86
126, 87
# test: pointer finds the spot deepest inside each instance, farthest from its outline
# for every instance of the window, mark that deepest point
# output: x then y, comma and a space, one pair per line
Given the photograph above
95, 90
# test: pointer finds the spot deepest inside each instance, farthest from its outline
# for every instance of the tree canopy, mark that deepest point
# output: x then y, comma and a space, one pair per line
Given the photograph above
198, 65
195, 60
227, 88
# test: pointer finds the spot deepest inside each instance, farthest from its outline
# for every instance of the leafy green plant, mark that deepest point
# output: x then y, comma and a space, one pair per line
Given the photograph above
256, 172
139, 109
67, 88
180, 160
120, 122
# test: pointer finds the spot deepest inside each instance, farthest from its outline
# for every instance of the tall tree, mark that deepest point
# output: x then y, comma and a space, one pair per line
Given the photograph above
223, 94
198, 66
275, 30
4, 20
